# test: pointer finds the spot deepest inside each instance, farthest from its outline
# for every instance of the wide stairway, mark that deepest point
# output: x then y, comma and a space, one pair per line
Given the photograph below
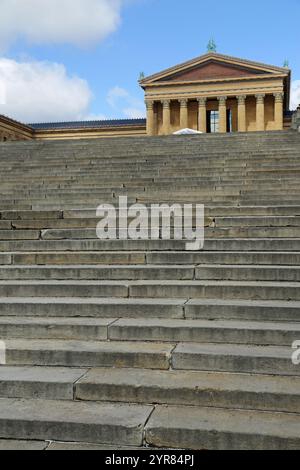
140, 343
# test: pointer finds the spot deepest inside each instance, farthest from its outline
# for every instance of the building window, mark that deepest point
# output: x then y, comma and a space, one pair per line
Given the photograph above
212, 121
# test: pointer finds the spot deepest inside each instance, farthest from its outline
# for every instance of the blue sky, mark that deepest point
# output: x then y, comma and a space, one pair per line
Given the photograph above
80, 59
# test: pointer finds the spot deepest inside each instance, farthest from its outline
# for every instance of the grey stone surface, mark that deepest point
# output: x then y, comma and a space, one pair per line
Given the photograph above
39, 382
11, 444
198, 388
88, 353
235, 358
213, 428
73, 421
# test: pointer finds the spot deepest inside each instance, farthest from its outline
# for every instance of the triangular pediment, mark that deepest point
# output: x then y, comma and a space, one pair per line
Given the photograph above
213, 66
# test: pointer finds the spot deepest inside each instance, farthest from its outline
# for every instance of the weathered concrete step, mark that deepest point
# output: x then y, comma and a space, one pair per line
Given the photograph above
88, 353
219, 429
197, 388
150, 257
211, 211
247, 272
92, 272
117, 424
71, 258
255, 290
222, 244
53, 288
52, 383
231, 309
255, 221
5, 258
233, 232
13, 444
204, 331
26, 327
30, 215
91, 223
92, 307
220, 257
274, 360
19, 234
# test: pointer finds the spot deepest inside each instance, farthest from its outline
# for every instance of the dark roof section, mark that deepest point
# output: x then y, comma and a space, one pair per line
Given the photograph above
88, 124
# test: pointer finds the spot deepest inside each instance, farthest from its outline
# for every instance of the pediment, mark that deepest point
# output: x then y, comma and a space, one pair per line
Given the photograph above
213, 66
212, 70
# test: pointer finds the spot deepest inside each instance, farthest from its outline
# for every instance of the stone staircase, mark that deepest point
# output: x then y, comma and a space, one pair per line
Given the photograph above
130, 344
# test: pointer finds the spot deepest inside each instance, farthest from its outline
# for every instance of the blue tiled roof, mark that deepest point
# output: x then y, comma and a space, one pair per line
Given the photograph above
88, 124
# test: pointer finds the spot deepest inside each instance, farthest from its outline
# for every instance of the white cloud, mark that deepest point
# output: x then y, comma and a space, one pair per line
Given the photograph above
134, 113
79, 22
128, 105
42, 91
295, 94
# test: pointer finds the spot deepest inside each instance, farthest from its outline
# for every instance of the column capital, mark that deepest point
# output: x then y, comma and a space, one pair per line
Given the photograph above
222, 100
241, 99
278, 97
166, 103
202, 101
183, 102
149, 104
260, 97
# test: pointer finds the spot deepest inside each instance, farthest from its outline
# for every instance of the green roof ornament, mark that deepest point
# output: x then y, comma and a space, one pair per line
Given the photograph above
211, 46
142, 76
286, 63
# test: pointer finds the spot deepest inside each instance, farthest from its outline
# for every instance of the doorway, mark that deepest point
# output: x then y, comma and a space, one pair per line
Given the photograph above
213, 119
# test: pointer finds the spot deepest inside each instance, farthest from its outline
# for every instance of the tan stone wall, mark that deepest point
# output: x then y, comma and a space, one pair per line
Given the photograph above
13, 131
76, 134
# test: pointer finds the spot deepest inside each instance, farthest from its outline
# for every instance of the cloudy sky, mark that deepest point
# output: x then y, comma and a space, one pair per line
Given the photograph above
81, 59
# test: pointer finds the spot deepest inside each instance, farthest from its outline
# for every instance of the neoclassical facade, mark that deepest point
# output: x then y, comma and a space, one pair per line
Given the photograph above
217, 93
212, 93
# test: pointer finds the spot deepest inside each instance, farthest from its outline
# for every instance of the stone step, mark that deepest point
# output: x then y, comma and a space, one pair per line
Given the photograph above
222, 244
25, 327
92, 307
68, 353
51, 383
204, 331
60, 420
250, 290
14, 444
218, 257
103, 272
232, 309
153, 258
86, 234
247, 273
274, 360
192, 388
71, 258
218, 429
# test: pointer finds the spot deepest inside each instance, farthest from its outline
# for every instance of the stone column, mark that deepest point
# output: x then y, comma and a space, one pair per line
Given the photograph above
222, 114
202, 124
150, 117
260, 112
242, 123
166, 117
278, 111
184, 118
